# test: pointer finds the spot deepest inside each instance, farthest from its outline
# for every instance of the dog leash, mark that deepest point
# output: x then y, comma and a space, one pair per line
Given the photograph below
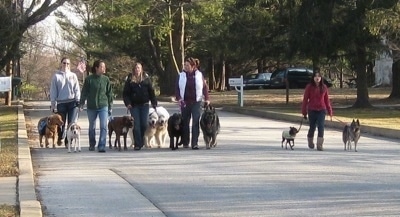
301, 123
340, 121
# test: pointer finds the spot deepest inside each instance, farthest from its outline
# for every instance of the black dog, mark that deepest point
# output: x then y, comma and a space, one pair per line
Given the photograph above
289, 135
175, 130
210, 126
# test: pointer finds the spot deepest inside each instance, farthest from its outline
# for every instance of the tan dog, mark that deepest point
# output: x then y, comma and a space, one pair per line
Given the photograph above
151, 128
121, 126
48, 127
161, 126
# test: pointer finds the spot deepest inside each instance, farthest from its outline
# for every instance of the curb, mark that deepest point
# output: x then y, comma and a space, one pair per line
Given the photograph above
376, 131
28, 203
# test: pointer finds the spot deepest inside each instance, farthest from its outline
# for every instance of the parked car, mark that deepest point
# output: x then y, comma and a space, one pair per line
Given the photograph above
257, 81
296, 77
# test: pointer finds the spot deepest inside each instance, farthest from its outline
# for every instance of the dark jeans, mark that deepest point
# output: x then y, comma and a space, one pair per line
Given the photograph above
70, 110
188, 112
140, 114
317, 119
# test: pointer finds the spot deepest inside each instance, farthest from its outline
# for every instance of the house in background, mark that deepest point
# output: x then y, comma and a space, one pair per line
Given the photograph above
383, 70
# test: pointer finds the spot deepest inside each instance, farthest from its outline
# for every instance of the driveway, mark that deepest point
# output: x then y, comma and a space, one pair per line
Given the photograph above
247, 174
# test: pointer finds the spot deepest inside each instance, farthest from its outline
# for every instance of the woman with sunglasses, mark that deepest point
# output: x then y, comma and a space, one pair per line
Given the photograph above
64, 96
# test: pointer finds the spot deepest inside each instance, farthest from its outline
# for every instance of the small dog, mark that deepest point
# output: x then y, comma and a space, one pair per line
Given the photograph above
210, 126
289, 135
151, 129
351, 133
161, 126
74, 135
121, 126
48, 127
175, 130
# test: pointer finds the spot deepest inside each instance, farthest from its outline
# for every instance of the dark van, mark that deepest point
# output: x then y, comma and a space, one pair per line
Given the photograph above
296, 77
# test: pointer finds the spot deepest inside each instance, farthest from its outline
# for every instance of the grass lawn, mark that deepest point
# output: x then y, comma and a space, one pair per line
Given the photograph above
9, 150
385, 112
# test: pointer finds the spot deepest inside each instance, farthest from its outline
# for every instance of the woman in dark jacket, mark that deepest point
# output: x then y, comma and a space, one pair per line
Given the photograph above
138, 91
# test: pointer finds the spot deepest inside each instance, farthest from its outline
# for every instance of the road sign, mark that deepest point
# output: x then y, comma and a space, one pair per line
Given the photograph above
236, 81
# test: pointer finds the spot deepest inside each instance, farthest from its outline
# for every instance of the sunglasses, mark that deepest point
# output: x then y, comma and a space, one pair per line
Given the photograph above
65, 63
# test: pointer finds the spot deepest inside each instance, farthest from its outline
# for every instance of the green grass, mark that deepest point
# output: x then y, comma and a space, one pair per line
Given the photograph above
8, 135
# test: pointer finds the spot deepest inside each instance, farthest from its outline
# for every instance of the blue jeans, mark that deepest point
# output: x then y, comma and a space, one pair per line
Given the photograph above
69, 109
140, 114
188, 112
92, 117
317, 119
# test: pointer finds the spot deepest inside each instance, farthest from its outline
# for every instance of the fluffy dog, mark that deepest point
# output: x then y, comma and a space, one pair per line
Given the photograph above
121, 126
289, 135
351, 133
48, 127
151, 128
210, 126
161, 126
74, 136
175, 130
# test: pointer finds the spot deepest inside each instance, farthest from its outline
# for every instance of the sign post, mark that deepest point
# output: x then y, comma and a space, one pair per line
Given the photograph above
5, 84
238, 83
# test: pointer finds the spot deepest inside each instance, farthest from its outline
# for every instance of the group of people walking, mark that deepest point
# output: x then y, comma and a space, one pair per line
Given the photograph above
138, 94
67, 99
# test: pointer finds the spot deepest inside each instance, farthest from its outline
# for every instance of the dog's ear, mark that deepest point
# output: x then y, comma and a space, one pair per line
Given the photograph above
358, 122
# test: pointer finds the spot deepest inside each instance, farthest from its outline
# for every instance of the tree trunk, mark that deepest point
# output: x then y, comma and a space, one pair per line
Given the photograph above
395, 76
212, 83
362, 100
223, 73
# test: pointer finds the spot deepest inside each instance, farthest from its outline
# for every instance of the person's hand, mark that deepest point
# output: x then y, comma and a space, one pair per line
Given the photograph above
206, 103
155, 107
305, 117
109, 112
53, 109
181, 103
129, 106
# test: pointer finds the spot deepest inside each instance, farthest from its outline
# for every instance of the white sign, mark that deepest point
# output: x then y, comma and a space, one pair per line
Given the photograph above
238, 84
236, 81
5, 84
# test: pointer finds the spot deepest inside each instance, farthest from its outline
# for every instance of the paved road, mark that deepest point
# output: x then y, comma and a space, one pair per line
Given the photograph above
248, 174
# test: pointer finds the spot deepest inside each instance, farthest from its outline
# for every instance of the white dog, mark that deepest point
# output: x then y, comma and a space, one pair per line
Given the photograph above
151, 128
161, 126
74, 135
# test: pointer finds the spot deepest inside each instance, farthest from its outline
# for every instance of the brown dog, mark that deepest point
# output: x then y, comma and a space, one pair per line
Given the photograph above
121, 126
48, 127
